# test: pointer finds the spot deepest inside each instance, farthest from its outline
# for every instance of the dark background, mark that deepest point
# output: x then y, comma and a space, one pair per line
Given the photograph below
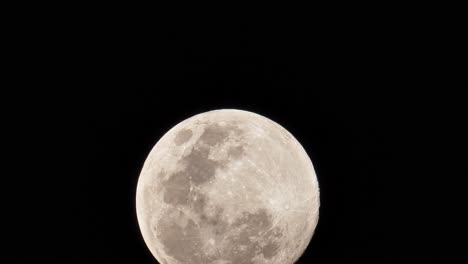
378, 104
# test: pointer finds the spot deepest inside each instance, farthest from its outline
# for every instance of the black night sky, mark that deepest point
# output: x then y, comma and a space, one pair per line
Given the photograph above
378, 107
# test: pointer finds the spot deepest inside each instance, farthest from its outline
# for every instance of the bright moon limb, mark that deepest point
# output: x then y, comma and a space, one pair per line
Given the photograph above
227, 187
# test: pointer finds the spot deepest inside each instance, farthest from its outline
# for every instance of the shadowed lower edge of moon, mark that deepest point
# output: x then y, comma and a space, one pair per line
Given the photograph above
209, 238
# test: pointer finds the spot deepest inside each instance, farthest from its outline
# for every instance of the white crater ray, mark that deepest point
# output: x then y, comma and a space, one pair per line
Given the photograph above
227, 187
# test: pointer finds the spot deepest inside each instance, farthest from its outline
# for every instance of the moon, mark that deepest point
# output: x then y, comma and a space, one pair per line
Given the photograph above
227, 187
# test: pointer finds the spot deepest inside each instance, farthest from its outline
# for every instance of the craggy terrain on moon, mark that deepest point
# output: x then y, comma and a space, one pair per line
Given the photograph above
227, 187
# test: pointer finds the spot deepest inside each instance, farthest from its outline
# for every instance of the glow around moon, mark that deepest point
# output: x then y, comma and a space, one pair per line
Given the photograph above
227, 187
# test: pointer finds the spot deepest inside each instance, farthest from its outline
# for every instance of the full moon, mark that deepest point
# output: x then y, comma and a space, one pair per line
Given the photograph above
227, 187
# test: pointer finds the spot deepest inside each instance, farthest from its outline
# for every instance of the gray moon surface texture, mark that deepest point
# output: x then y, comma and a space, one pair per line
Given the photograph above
227, 187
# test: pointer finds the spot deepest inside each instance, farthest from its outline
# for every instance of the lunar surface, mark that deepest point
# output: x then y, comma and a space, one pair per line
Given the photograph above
227, 187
